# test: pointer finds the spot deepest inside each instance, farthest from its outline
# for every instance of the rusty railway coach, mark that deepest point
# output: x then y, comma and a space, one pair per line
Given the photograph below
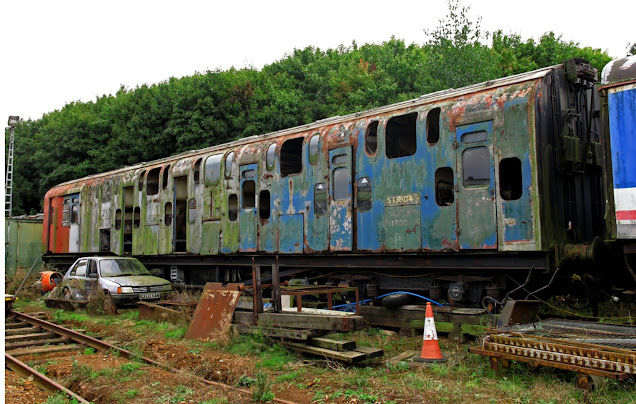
455, 191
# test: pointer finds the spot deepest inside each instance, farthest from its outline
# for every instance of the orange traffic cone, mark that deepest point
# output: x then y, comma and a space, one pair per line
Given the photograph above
430, 345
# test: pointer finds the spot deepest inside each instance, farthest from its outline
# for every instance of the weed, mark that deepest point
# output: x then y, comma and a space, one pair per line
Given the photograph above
288, 377
82, 372
245, 381
89, 351
263, 390
177, 333
222, 400
61, 398
131, 393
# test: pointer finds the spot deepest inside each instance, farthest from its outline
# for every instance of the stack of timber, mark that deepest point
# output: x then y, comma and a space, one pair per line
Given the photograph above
294, 325
459, 323
340, 350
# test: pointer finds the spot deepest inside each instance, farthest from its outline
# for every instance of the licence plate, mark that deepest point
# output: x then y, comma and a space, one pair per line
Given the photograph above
147, 296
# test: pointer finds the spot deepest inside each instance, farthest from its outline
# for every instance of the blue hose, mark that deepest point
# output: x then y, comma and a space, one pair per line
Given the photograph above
351, 307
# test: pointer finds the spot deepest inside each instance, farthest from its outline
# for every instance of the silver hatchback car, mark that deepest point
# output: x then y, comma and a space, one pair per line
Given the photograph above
126, 280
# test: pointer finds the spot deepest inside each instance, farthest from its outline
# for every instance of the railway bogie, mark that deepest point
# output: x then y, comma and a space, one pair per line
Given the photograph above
466, 185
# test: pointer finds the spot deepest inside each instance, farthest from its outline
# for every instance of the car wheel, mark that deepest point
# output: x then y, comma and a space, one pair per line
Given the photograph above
67, 293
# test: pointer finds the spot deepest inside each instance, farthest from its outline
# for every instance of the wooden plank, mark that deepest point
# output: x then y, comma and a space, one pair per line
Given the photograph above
26, 344
333, 344
22, 331
158, 313
46, 350
30, 337
13, 326
346, 356
370, 352
65, 304
301, 320
295, 334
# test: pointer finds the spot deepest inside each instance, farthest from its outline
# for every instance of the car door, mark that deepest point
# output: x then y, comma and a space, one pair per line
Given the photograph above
90, 282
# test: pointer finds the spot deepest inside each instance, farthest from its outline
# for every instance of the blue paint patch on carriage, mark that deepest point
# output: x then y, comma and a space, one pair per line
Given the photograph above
519, 223
622, 109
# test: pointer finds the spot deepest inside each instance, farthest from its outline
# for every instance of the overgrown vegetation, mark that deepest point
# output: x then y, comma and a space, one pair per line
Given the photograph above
213, 107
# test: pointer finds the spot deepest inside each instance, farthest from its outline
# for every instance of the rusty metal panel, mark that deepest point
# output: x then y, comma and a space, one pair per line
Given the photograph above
291, 234
213, 316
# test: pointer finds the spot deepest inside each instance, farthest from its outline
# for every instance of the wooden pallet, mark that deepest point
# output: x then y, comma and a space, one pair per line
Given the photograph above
340, 350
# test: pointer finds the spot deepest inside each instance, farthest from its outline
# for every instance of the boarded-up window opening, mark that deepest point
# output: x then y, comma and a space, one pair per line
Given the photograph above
474, 137
167, 214
264, 207
137, 217
510, 179
104, 240
271, 157
321, 199
365, 194
229, 165
291, 156
141, 181
74, 213
118, 219
341, 184
249, 194
66, 212
432, 126
444, 186
213, 169
314, 142
232, 207
476, 167
371, 138
166, 176
192, 211
152, 181
197, 171
401, 139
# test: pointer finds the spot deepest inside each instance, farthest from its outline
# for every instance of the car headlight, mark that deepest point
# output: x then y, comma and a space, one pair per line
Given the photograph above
167, 287
124, 289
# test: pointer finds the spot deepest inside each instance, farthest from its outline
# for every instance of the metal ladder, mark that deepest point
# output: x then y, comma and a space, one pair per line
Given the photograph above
9, 179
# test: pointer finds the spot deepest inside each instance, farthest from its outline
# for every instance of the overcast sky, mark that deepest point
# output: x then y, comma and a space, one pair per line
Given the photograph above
55, 52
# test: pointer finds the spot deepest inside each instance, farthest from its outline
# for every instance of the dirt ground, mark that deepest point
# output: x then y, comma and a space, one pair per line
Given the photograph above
109, 378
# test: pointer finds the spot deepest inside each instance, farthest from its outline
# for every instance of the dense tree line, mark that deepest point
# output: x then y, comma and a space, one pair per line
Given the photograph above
205, 109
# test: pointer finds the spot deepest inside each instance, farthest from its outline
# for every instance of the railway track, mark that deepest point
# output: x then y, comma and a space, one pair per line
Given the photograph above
30, 336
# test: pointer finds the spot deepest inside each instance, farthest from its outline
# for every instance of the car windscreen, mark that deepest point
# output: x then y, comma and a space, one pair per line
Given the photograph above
116, 267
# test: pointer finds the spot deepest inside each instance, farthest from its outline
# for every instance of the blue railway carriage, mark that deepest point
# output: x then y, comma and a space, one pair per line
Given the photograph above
450, 195
618, 89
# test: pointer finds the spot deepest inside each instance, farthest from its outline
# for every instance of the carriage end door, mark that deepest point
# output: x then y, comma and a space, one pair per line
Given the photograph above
476, 187
341, 204
248, 218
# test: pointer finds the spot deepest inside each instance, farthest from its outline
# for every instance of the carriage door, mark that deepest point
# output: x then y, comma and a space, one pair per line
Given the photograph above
70, 218
340, 206
476, 186
248, 216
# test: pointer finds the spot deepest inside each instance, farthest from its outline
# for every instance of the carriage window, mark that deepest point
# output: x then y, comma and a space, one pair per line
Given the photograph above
339, 159
197, 171
340, 184
314, 142
270, 158
137, 217
401, 136
118, 219
249, 173
320, 199
291, 156
365, 195
264, 205
166, 175
371, 138
432, 126
167, 215
476, 166
232, 207
249, 194
474, 137
141, 181
152, 181
229, 162
510, 179
444, 186
213, 169
74, 213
